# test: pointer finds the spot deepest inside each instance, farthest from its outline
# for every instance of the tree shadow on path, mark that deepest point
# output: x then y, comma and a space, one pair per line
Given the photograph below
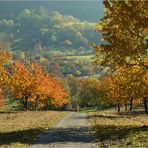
24, 136
53, 135
72, 134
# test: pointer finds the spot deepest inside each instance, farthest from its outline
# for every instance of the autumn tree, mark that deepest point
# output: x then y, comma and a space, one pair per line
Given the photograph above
111, 90
74, 85
48, 90
21, 83
124, 33
34, 88
124, 30
5, 59
127, 86
132, 83
90, 93
59, 94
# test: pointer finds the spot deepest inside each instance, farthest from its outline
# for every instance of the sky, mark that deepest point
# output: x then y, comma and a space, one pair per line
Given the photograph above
89, 10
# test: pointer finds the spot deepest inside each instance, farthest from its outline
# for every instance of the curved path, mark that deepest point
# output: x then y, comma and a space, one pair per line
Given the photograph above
70, 132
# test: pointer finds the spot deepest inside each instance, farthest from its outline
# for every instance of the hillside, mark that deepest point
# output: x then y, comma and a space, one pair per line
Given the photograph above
45, 31
49, 29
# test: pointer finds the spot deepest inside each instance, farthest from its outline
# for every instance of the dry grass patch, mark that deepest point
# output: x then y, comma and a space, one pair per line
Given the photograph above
125, 129
19, 129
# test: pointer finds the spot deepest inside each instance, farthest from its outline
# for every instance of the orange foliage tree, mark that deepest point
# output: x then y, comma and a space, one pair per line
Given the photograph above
5, 58
30, 84
128, 85
34, 88
21, 83
48, 90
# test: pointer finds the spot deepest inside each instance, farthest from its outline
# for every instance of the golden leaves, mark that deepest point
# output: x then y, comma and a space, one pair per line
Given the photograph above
123, 32
128, 82
124, 46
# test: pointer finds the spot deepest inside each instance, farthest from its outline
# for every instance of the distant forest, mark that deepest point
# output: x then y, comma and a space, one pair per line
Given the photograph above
36, 31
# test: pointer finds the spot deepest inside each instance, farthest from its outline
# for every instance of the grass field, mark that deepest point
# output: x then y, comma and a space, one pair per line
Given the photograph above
10, 104
80, 57
125, 129
20, 129
87, 57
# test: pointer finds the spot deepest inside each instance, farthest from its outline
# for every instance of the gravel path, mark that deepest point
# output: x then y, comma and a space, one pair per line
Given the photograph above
70, 132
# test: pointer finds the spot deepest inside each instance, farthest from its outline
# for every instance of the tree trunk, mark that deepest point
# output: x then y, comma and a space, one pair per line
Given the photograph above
131, 104
118, 107
115, 107
98, 105
145, 99
46, 105
26, 103
125, 106
36, 103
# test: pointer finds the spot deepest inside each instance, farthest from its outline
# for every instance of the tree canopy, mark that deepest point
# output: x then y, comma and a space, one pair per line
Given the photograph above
124, 34
124, 48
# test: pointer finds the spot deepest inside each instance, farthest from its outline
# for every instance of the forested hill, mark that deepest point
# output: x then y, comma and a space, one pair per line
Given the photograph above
52, 33
84, 10
62, 25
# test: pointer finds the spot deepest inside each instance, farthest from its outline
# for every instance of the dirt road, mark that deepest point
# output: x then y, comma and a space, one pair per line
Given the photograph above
70, 132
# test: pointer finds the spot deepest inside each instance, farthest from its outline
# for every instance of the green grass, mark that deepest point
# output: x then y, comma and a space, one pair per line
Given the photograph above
89, 57
10, 104
90, 109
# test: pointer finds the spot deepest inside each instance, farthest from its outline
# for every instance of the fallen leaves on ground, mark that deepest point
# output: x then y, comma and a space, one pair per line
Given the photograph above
120, 129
